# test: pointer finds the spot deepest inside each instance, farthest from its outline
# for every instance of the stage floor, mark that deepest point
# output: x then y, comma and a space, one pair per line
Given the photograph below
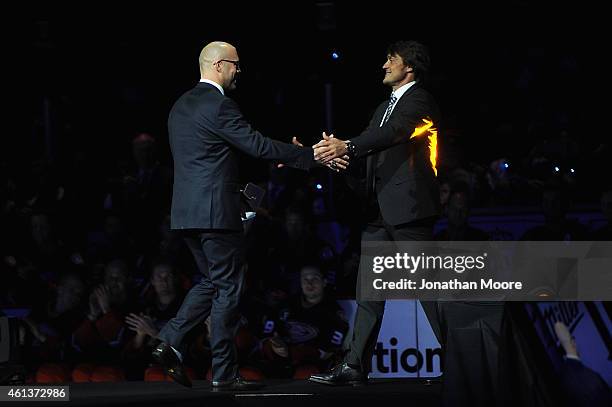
378, 393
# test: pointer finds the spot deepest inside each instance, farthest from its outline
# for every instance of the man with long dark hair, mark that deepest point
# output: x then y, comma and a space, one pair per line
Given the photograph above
401, 188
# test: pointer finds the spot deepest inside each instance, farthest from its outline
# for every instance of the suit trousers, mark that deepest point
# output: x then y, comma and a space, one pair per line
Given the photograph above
218, 255
369, 315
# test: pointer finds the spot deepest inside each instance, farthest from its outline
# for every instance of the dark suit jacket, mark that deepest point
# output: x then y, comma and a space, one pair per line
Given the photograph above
207, 132
400, 167
584, 386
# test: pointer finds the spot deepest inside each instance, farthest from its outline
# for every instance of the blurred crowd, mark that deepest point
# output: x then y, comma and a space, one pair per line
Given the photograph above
90, 257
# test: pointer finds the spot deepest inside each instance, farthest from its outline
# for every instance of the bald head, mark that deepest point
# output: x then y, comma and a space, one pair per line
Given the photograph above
214, 52
219, 63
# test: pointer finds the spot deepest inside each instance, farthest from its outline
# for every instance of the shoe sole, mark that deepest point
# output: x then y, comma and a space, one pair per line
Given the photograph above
229, 389
176, 379
172, 375
354, 383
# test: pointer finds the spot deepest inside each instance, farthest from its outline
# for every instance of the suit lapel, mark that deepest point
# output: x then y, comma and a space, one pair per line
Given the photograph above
382, 108
375, 160
409, 91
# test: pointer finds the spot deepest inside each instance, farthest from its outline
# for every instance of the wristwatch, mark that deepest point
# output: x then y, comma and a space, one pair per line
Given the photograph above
350, 149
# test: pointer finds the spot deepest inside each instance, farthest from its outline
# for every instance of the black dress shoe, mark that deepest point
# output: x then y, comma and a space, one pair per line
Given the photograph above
238, 384
341, 375
165, 356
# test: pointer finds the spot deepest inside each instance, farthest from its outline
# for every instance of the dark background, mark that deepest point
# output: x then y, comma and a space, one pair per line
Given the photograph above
519, 86
505, 75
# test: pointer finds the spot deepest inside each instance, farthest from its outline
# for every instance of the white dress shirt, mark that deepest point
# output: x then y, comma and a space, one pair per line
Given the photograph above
215, 84
399, 92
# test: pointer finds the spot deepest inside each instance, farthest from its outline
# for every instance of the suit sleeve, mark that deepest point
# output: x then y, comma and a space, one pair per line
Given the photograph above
397, 130
234, 129
356, 170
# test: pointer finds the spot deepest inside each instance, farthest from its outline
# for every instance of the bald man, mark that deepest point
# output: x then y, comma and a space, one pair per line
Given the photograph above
208, 134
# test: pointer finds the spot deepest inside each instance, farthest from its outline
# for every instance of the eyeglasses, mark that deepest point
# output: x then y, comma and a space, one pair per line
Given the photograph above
236, 63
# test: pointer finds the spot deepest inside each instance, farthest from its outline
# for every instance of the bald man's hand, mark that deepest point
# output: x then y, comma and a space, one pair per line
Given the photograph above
336, 164
295, 142
329, 149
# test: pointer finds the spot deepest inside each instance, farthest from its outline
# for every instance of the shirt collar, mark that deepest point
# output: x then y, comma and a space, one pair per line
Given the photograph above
402, 89
215, 84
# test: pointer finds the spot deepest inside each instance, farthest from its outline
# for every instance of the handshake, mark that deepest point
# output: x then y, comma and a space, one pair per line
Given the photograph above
330, 152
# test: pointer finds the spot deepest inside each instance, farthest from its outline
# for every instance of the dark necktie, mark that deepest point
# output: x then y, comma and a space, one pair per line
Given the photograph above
392, 101
377, 158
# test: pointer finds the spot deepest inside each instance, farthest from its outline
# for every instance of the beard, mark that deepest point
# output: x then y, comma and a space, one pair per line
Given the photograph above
389, 80
393, 78
233, 84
